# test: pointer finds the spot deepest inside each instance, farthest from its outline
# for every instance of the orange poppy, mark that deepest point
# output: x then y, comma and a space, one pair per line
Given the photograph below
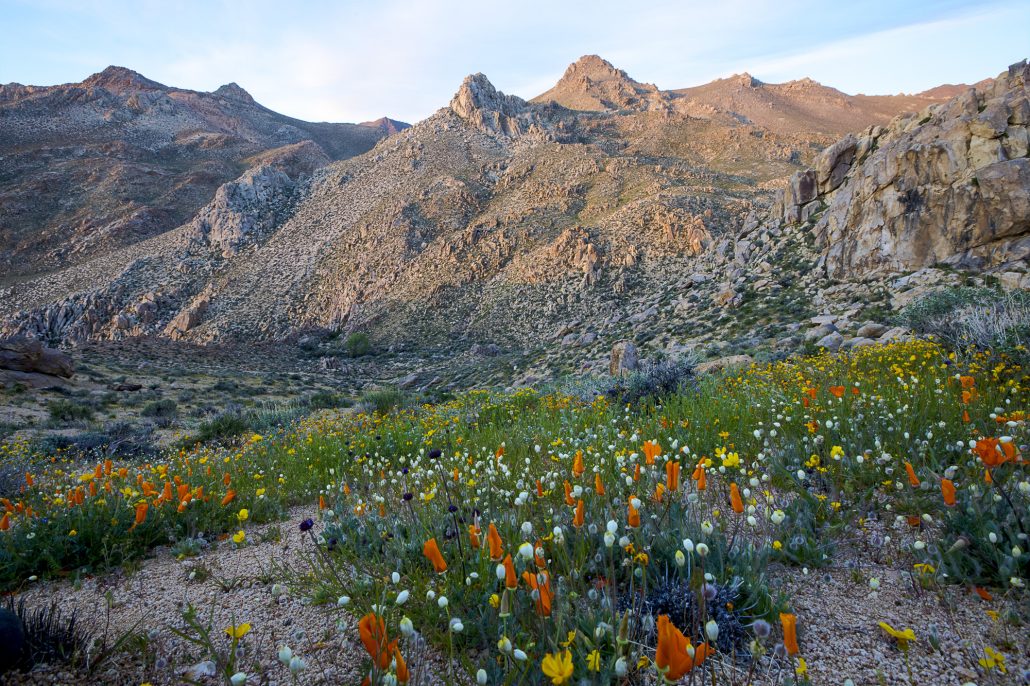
672, 656
651, 450
967, 381
511, 579
699, 476
735, 501
636, 472
545, 592
141, 515
5, 522
539, 489
29, 481
948, 491
402, 667
372, 630
432, 552
790, 632
321, 502
837, 391
568, 494
633, 517
912, 478
540, 561
672, 475
474, 534
493, 539
578, 518
598, 484
577, 464
229, 495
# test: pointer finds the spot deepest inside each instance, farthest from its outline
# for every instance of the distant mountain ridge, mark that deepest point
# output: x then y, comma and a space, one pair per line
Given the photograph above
803, 106
548, 229
91, 166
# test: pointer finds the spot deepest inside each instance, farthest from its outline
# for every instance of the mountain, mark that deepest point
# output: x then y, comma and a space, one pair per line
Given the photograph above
387, 125
543, 234
592, 84
92, 166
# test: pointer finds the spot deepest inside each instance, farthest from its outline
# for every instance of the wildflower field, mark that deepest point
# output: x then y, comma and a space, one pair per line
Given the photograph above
541, 538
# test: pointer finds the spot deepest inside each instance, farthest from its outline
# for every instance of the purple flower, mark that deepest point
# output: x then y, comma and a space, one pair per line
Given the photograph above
408, 496
435, 453
307, 524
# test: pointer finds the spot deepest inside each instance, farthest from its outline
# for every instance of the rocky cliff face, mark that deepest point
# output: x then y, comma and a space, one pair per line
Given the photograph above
947, 186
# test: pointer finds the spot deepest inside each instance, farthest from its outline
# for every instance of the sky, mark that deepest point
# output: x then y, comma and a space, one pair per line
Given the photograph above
357, 60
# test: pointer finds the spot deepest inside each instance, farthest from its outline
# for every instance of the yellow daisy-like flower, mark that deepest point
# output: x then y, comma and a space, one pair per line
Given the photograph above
238, 631
594, 661
243, 514
239, 537
902, 637
558, 667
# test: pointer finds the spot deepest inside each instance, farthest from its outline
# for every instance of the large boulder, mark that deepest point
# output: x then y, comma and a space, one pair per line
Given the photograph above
30, 356
624, 358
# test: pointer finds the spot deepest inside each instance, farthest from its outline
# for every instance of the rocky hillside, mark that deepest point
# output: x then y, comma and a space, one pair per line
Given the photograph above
89, 167
542, 234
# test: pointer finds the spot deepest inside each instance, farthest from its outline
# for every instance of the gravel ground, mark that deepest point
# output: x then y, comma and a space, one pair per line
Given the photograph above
837, 611
155, 595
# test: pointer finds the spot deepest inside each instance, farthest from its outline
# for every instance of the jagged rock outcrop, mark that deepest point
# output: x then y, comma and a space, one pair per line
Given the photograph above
243, 208
488, 109
950, 185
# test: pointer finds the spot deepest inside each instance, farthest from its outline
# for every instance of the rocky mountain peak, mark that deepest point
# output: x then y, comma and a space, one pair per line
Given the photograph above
233, 91
745, 80
595, 68
486, 108
120, 80
593, 84
387, 125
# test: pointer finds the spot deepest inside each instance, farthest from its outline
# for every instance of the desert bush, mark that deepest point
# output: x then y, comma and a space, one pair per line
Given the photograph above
383, 400
327, 400
62, 410
226, 425
159, 408
654, 380
357, 344
983, 318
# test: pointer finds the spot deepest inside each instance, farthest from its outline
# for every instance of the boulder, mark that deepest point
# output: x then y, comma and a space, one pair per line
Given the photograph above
832, 341
870, 330
724, 364
820, 331
29, 355
624, 358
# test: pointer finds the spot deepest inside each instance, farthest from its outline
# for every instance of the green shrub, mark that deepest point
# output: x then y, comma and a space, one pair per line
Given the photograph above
62, 410
326, 400
383, 400
225, 426
357, 344
984, 318
159, 408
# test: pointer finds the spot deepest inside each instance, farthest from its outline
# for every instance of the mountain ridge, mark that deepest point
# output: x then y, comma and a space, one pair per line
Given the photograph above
541, 230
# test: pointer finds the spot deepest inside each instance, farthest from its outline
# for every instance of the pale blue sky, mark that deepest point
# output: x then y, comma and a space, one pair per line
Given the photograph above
361, 59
